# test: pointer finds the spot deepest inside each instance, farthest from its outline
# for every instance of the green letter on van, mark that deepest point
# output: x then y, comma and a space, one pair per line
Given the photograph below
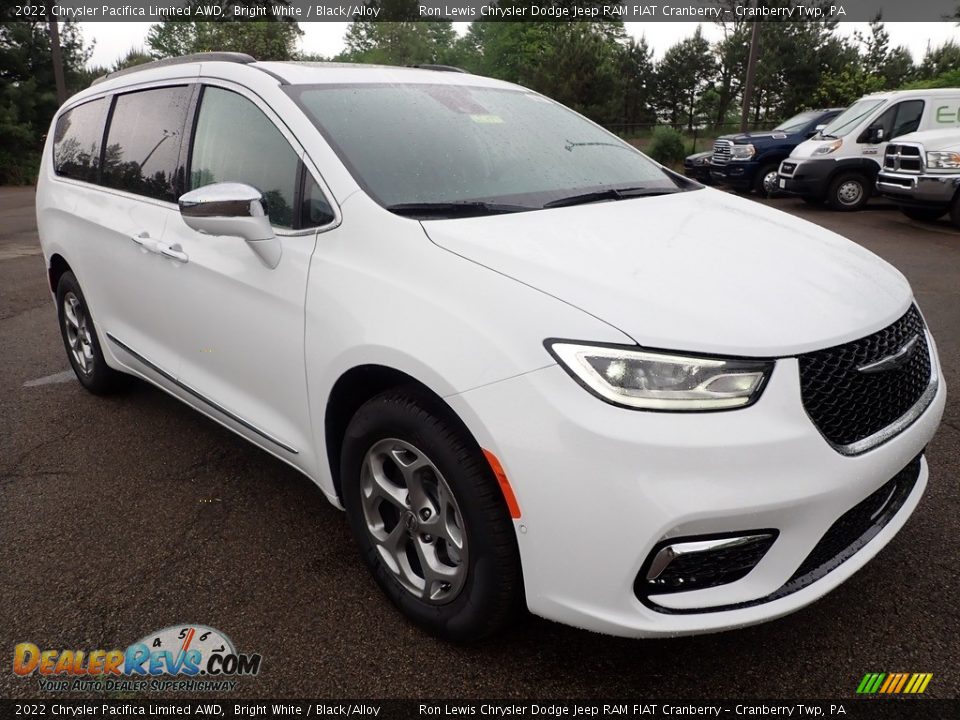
946, 115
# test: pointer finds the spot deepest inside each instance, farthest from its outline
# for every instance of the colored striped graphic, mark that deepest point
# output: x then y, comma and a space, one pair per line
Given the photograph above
894, 683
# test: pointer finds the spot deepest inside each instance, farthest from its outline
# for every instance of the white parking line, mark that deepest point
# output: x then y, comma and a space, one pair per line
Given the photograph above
60, 377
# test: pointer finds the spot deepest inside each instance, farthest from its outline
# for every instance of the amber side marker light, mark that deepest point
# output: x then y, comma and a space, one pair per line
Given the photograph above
512, 505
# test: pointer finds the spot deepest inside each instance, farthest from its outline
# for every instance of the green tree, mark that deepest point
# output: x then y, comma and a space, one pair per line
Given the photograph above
939, 60
133, 57
639, 82
399, 43
269, 38
687, 69
28, 96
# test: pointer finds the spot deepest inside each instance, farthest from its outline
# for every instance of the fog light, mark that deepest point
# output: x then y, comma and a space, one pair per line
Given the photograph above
699, 562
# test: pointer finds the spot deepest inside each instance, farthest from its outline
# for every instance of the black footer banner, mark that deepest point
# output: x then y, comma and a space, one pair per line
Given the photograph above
906, 709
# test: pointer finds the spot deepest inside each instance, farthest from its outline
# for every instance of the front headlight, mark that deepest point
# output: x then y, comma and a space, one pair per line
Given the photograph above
830, 147
742, 152
943, 160
650, 380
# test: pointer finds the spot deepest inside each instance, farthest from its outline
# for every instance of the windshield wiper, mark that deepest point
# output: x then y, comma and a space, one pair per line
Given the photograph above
609, 194
454, 209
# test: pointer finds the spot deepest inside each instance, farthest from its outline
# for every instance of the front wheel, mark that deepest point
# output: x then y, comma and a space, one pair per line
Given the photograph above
429, 517
955, 211
922, 214
765, 183
848, 192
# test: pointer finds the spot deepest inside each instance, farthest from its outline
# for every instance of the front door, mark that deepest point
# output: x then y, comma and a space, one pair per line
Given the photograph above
241, 323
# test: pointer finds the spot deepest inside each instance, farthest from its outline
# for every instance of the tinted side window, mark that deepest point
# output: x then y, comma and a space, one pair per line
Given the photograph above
236, 142
900, 119
908, 117
315, 210
143, 143
76, 141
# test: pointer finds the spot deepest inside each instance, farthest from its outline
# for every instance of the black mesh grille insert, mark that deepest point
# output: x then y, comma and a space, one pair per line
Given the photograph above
848, 405
858, 526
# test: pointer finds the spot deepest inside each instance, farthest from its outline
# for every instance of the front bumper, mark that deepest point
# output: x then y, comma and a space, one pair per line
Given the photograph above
805, 177
927, 190
735, 174
599, 487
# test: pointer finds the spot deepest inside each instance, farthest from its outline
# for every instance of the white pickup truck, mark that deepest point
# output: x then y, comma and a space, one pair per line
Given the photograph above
921, 173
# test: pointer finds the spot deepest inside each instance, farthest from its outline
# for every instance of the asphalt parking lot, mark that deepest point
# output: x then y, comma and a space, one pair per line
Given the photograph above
124, 515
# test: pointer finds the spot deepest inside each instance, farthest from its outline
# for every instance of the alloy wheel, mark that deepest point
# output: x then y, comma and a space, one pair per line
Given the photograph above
78, 333
413, 520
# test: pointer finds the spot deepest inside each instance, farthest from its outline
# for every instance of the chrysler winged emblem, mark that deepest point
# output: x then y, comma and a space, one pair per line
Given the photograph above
894, 360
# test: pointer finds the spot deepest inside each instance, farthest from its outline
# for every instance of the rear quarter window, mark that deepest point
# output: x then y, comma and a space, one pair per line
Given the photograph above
76, 141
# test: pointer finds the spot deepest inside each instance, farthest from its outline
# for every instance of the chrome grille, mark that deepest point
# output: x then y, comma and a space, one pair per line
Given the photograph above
903, 158
721, 152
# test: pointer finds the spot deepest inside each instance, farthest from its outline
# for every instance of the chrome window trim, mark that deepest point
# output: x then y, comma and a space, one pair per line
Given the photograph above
297, 146
199, 396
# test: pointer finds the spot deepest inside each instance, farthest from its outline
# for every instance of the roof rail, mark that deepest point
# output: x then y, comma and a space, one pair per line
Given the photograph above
233, 57
441, 68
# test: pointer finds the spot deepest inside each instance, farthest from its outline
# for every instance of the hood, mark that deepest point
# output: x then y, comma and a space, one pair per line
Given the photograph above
699, 271
755, 136
945, 139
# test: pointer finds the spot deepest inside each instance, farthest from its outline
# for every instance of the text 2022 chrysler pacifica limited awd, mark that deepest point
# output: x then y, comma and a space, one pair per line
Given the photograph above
533, 366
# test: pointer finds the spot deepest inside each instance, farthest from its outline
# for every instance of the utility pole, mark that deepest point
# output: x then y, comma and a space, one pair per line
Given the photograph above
751, 73
57, 57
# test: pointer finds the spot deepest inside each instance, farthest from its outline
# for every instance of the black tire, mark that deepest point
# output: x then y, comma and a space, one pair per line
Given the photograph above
812, 199
758, 185
923, 214
491, 591
955, 211
97, 377
849, 191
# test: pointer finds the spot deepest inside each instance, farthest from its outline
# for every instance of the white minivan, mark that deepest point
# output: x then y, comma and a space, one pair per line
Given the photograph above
535, 367
839, 165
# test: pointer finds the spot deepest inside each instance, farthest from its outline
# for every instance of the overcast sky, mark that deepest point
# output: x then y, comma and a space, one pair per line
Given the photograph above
113, 39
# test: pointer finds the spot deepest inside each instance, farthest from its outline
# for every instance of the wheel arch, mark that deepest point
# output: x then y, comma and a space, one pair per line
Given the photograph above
56, 267
350, 391
864, 166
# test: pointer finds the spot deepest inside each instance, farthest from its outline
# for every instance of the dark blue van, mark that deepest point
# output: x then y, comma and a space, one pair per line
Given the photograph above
749, 161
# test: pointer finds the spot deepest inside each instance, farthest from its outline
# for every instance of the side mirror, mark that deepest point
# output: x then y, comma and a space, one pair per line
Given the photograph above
232, 209
816, 130
875, 135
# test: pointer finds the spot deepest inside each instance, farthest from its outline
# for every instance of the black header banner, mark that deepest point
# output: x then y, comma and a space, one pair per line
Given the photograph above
469, 10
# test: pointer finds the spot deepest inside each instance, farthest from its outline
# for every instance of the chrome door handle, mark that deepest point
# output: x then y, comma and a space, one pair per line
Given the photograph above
145, 241
174, 252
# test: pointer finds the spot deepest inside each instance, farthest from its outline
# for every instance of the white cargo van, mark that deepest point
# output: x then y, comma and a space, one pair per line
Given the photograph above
840, 163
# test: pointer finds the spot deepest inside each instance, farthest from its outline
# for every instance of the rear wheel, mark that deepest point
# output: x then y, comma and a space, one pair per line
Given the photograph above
848, 192
80, 339
923, 214
429, 517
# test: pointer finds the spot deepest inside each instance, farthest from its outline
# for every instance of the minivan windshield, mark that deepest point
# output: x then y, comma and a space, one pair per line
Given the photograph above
849, 119
797, 122
440, 150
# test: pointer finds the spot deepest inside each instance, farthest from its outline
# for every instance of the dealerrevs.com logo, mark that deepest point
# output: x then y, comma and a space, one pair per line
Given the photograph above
186, 657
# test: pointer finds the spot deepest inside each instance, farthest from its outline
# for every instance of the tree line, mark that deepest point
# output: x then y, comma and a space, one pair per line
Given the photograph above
594, 67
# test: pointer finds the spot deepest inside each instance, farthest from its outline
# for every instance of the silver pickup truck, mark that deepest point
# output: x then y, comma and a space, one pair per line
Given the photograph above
921, 173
